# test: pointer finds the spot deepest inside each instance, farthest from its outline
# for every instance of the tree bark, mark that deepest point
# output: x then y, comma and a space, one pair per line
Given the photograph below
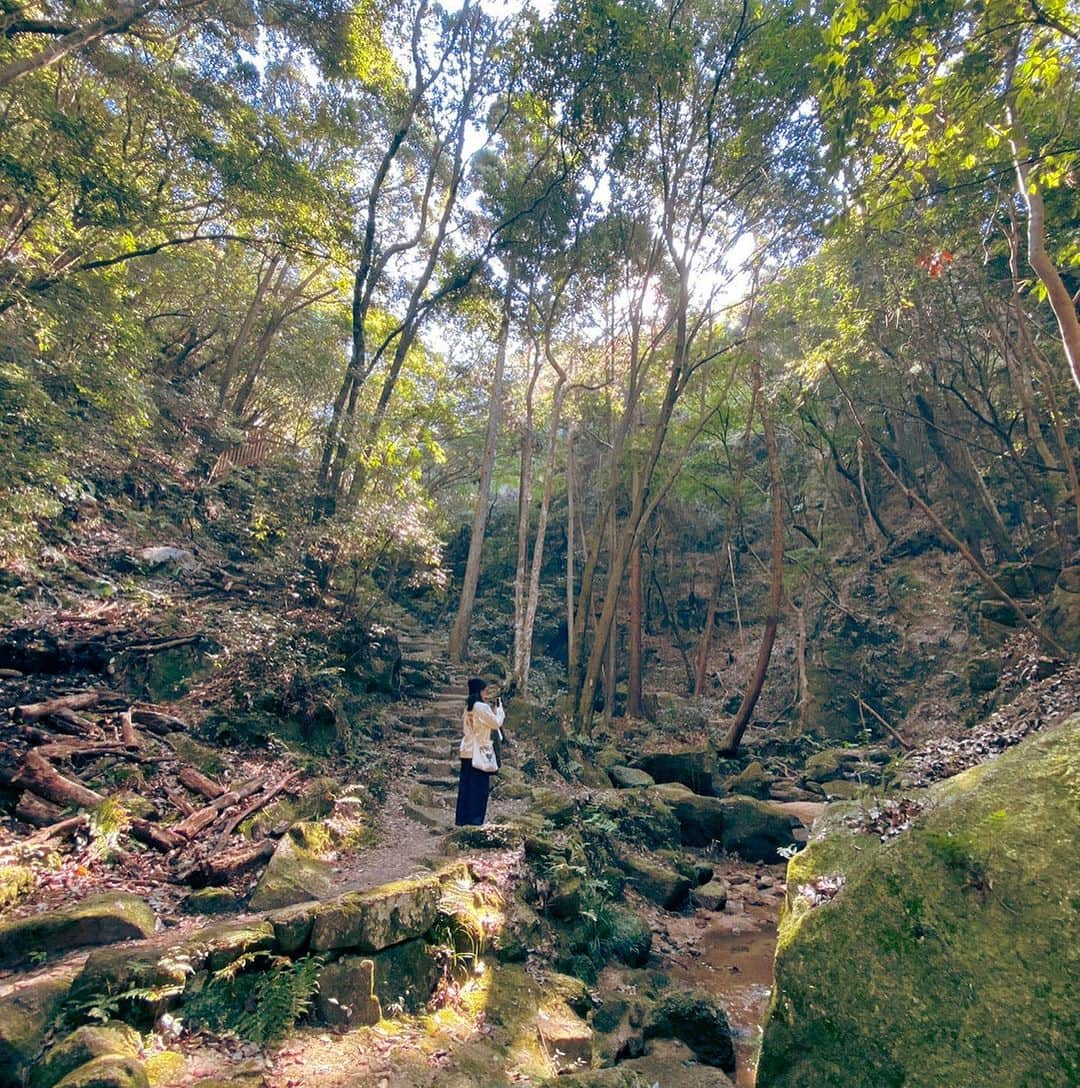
733, 738
459, 633
633, 695
39, 777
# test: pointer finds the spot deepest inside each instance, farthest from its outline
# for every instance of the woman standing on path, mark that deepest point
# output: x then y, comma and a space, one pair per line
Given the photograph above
478, 723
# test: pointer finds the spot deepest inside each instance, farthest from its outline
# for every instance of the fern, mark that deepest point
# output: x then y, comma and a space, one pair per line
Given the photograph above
257, 997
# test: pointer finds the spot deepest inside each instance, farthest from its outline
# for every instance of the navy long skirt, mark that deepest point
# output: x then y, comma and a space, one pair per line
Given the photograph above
473, 789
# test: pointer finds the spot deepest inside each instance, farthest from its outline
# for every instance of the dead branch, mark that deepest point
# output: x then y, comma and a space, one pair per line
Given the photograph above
37, 775
254, 807
888, 728
160, 838
165, 644
157, 722
57, 830
65, 720
35, 810
33, 711
127, 731
199, 783
224, 865
204, 817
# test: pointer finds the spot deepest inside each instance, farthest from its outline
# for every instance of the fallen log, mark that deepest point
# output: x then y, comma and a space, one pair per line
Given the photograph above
160, 838
66, 749
65, 720
57, 830
199, 783
202, 818
225, 865
254, 807
35, 810
32, 711
164, 644
157, 722
179, 801
37, 775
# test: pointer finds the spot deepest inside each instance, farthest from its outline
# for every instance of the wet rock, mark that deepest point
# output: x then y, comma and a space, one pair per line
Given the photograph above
627, 777
295, 874
82, 1046
26, 1016
112, 1071
404, 976
693, 767
102, 919
960, 923
373, 920
346, 995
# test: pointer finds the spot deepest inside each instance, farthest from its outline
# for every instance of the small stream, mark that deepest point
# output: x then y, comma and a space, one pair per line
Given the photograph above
730, 955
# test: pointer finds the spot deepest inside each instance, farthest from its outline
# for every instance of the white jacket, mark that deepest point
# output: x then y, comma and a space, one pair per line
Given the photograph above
477, 725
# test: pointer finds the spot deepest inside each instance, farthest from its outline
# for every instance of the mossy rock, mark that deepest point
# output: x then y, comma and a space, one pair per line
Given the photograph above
26, 1016
641, 815
485, 837
693, 767
84, 1045
404, 976
655, 881
668, 1063
697, 1019
521, 930
945, 958
1061, 619
316, 801
211, 901
753, 829
202, 756
346, 993
165, 1067
111, 1071
219, 945
630, 940
15, 881
295, 873
161, 967
829, 764
625, 778
752, 781
292, 926
373, 920
554, 806
101, 919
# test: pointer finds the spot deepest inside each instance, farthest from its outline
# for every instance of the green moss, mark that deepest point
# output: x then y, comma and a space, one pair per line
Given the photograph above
15, 881
945, 953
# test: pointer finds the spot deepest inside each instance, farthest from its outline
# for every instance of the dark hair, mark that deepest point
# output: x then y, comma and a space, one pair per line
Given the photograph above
476, 691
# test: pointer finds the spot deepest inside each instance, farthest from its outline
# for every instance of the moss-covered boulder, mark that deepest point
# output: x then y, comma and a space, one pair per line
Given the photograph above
373, 920
486, 837
346, 995
295, 873
625, 778
641, 816
752, 829
944, 956
752, 781
84, 1045
102, 919
111, 1071
26, 1016
655, 881
210, 901
404, 976
555, 807
693, 767
219, 945
697, 1019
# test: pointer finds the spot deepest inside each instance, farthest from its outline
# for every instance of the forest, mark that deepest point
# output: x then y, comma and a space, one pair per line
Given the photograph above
702, 375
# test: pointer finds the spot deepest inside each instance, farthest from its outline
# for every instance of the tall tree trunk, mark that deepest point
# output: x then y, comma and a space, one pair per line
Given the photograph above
459, 633
525, 493
571, 485
730, 745
532, 600
633, 698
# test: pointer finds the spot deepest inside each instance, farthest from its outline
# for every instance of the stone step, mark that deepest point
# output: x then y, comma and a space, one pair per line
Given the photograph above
437, 782
436, 767
437, 749
436, 818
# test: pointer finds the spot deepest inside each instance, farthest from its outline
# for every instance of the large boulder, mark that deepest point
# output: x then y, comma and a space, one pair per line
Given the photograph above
697, 1019
625, 778
84, 1045
102, 919
655, 881
693, 767
111, 1071
346, 997
755, 830
405, 975
295, 874
642, 816
26, 1016
943, 956
373, 920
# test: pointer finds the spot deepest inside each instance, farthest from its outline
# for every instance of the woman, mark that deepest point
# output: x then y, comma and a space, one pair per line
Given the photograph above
478, 723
